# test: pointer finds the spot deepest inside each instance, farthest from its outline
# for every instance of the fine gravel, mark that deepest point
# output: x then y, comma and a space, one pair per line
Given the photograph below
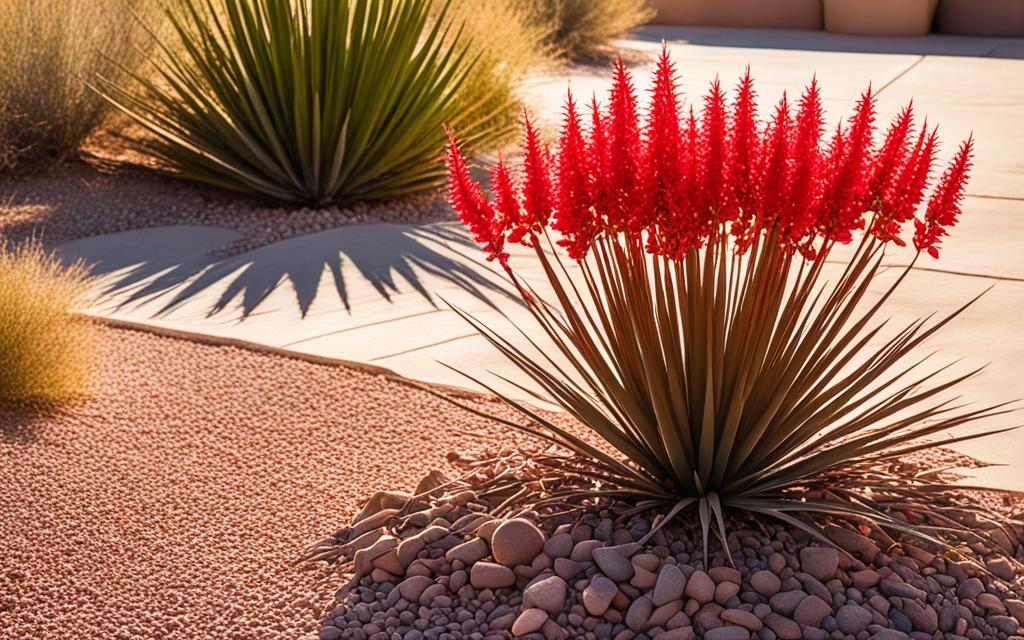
77, 200
175, 501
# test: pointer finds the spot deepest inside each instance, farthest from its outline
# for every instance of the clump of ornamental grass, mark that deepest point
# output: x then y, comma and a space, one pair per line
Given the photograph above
700, 338
46, 352
312, 101
583, 28
49, 50
510, 45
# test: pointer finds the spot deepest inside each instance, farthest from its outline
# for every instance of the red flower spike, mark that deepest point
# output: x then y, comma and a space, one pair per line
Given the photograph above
506, 203
907, 191
472, 205
743, 156
664, 189
844, 201
574, 217
944, 206
714, 154
537, 199
676, 180
774, 171
801, 201
887, 167
622, 207
893, 152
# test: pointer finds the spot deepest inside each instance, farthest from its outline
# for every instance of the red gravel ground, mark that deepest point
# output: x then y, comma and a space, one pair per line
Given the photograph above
173, 503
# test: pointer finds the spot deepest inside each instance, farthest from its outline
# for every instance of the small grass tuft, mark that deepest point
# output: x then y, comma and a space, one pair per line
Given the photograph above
582, 28
46, 353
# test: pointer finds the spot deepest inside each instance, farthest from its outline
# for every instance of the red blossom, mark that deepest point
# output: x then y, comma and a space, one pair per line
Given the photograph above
846, 179
713, 155
673, 182
472, 205
664, 153
774, 174
797, 214
944, 206
907, 191
537, 199
574, 217
743, 156
621, 208
892, 157
506, 203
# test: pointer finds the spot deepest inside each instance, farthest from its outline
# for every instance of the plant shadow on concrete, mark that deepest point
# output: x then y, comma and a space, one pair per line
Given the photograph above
243, 282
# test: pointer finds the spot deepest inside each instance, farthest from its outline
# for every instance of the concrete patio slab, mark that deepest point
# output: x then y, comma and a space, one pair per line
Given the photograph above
378, 293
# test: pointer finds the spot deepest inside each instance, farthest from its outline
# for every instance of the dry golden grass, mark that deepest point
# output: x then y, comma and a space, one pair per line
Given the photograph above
46, 352
49, 49
583, 28
510, 45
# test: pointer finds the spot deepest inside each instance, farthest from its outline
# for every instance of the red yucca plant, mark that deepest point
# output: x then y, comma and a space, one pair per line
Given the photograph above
698, 337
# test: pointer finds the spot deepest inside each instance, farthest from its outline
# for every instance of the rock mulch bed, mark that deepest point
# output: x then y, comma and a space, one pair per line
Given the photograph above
76, 201
452, 571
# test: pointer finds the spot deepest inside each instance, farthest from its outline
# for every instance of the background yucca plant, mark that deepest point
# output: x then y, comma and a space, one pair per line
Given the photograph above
700, 340
316, 100
46, 353
49, 49
582, 28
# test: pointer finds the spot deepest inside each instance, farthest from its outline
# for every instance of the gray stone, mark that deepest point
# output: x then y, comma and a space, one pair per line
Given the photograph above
820, 562
727, 633
639, 613
900, 621
1001, 568
679, 633
559, 545
412, 588
547, 594
516, 542
529, 620
490, 575
811, 610
852, 619
567, 569
865, 579
890, 634
890, 588
1016, 609
613, 564
741, 618
765, 583
970, 589
700, 587
782, 627
468, 552
786, 602
670, 585
924, 618
991, 603
599, 595
1006, 624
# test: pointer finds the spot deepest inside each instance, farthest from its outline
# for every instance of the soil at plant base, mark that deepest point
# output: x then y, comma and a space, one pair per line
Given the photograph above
175, 502
78, 200
443, 567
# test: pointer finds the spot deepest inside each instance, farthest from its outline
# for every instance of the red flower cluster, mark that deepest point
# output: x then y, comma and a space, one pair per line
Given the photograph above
678, 181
